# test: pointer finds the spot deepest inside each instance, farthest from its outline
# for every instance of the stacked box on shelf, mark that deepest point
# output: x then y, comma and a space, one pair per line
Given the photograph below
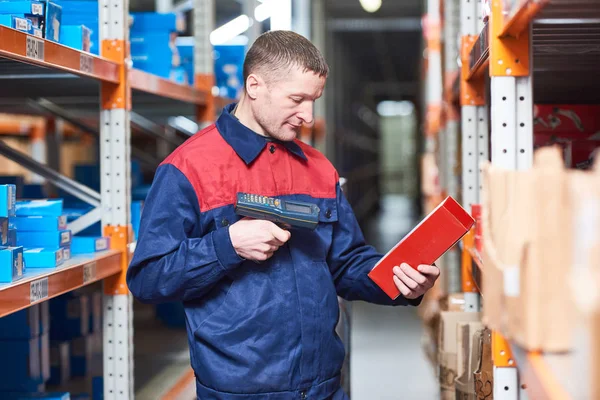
80, 18
42, 231
12, 266
26, 346
153, 46
44, 17
20, 23
185, 47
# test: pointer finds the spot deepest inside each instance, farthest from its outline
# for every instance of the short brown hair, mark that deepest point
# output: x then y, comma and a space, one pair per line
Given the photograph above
275, 51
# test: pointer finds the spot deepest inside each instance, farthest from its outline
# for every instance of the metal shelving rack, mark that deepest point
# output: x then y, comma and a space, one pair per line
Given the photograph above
510, 62
34, 68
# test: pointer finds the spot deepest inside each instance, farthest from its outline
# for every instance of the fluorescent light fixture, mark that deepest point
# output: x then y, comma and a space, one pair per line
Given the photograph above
281, 15
263, 11
370, 5
395, 108
230, 30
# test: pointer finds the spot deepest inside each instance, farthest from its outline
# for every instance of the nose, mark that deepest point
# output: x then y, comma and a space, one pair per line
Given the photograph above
306, 113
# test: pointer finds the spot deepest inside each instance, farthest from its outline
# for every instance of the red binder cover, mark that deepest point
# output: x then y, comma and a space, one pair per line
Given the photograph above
426, 243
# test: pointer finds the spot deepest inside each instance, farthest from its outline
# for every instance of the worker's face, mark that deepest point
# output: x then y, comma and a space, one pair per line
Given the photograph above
282, 106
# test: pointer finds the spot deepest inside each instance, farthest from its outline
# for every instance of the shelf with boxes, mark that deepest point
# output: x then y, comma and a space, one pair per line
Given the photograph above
532, 262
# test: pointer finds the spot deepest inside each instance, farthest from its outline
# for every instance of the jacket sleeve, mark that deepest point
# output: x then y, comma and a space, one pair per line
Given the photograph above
175, 258
351, 259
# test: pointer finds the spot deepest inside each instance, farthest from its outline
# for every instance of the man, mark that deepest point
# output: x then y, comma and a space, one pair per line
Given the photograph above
260, 301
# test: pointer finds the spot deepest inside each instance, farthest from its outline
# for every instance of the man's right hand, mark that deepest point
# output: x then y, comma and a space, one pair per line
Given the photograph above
257, 240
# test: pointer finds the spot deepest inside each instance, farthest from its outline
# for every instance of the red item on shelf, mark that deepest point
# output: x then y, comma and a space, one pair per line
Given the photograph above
426, 243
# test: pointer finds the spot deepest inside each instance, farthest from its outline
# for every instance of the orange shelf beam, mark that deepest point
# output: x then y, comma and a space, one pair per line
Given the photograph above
39, 285
149, 83
521, 16
25, 48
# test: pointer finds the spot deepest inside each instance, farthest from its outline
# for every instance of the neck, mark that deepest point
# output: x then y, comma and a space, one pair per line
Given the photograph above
244, 114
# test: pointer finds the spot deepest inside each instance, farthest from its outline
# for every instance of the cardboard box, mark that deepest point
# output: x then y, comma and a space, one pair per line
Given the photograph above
86, 245
11, 264
484, 374
43, 208
530, 250
39, 224
427, 242
50, 240
43, 16
448, 348
43, 258
24, 324
7, 200
60, 367
469, 335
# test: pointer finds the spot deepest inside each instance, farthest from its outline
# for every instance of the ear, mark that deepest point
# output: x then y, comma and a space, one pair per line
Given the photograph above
253, 84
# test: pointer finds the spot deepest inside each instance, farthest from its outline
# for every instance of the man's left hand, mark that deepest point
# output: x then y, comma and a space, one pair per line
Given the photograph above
414, 283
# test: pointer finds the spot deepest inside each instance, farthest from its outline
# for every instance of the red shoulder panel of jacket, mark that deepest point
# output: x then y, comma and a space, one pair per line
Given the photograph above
217, 173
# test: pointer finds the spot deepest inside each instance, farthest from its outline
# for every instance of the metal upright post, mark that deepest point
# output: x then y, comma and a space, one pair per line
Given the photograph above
511, 67
115, 153
204, 23
474, 135
449, 136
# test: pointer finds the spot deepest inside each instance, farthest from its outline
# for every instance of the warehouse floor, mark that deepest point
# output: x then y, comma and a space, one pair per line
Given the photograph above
387, 361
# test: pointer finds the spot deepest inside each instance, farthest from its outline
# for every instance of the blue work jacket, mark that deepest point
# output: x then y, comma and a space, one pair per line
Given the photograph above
256, 331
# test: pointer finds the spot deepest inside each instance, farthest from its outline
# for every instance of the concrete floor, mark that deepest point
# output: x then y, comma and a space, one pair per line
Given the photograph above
387, 361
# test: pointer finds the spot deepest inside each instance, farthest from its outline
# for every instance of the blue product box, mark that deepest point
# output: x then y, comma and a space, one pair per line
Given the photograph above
179, 75
36, 396
69, 317
39, 224
229, 63
23, 7
23, 372
60, 363
19, 23
43, 258
51, 240
12, 237
86, 245
81, 356
66, 253
136, 217
41, 208
76, 36
24, 324
153, 22
11, 264
8, 200
3, 232
45, 356
98, 387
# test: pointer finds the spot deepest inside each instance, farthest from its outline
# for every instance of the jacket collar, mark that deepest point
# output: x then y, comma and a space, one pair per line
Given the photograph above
247, 143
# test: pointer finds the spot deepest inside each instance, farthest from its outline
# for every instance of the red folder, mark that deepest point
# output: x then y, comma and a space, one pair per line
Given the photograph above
426, 243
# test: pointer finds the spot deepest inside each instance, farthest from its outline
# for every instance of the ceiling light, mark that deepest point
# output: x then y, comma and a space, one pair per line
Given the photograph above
370, 5
230, 30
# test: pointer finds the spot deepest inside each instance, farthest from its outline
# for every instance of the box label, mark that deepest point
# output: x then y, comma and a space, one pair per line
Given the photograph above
37, 9
21, 24
101, 244
66, 254
59, 256
19, 264
62, 222
89, 272
86, 64
38, 290
65, 237
38, 33
35, 48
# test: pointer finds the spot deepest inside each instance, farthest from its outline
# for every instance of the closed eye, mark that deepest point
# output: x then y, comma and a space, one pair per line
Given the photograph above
297, 100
